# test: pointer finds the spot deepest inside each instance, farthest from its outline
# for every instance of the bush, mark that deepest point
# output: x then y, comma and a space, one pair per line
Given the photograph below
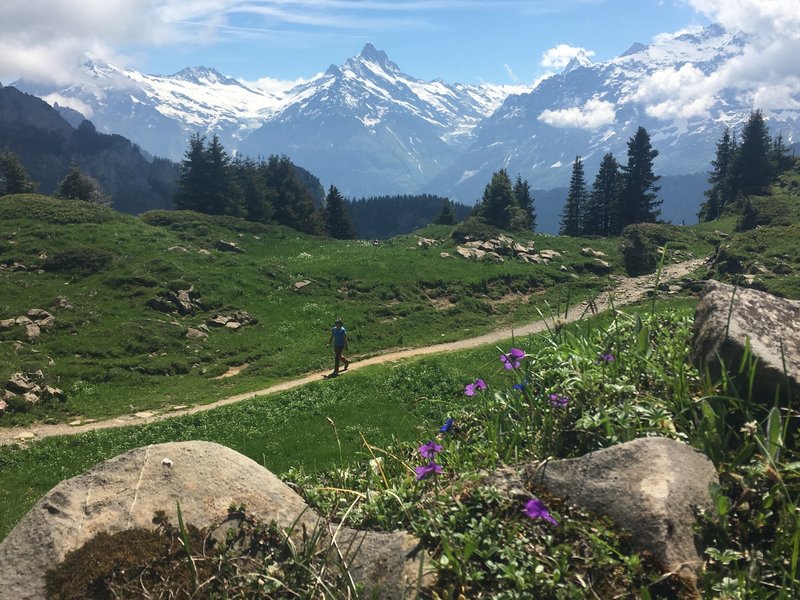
79, 261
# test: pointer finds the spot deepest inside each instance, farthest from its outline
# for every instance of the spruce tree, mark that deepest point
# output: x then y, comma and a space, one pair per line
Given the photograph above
447, 216
639, 201
194, 178
497, 200
292, 203
571, 217
337, 222
752, 169
223, 195
77, 185
721, 192
14, 179
524, 201
598, 218
256, 197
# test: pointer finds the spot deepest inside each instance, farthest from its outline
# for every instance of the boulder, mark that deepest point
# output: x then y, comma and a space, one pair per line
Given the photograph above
650, 486
206, 479
728, 319
493, 257
224, 246
19, 383
7, 323
299, 285
423, 242
62, 303
33, 331
218, 321
195, 334
37, 314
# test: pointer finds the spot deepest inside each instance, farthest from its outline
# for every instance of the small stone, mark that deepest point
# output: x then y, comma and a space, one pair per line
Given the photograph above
25, 436
143, 415
218, 321
195, 334
233, 325
3, 406
7, 323
299, 285
74, 423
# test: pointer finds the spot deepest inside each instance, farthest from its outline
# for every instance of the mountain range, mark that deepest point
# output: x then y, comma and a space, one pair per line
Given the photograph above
370, 129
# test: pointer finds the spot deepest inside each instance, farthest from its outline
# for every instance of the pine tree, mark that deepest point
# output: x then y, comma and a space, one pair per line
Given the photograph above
639, 201
447, 216
337, 222
524, 201
223, 195
14, 179
780, 157
571, 217
752, 169
77, 185
256, 197
194, 177
721, 192
498, 198
292, 203
598, 218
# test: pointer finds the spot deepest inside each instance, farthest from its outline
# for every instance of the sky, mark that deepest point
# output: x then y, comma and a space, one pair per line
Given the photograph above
466, 41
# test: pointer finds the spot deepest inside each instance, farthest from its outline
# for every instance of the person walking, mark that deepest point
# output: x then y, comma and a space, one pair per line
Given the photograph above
339, 340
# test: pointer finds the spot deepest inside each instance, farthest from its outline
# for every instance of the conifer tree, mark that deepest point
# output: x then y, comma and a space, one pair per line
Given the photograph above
77, 185
497, 200
292, 203
447, 216
571, 217
337, 222
524, 201
639, 201
753, 170
223, 195
721, 192
14, 179
194, 177
256, 197
601, 204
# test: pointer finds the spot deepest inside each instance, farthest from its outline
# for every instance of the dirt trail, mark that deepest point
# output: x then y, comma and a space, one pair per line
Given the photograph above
626, 291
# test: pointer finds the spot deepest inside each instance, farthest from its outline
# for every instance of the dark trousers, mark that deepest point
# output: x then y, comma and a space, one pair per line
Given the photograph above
338, 357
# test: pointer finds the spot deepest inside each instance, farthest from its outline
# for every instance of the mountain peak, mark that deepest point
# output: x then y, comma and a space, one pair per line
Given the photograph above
202, 75
370, 54
635, 47
578, 61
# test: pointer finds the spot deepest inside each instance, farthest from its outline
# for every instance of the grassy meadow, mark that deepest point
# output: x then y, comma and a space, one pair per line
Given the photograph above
113, 354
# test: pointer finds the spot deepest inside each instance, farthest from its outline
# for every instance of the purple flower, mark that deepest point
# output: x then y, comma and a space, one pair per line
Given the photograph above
558, 401
424, 471
471, 388
536, 509
448, 425
430, 449
607, 357
511, 360
520, 386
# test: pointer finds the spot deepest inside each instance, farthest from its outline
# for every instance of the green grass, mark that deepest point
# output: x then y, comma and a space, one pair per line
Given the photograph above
110, 266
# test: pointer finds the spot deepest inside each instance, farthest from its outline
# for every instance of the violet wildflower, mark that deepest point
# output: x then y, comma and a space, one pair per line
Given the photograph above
429, 449
471, 388
448, 425
607, 358
511, 360
424, 471
536, 509
558, 401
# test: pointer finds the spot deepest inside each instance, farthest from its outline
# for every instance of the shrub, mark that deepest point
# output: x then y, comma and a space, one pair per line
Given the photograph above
79, 261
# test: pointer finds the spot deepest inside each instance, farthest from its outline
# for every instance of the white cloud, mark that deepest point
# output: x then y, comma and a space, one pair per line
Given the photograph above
592, 115
510, 73
559, 57
764, 75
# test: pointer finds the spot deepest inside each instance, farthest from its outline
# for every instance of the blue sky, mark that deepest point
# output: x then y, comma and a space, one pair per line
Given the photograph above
467, 41
470, 41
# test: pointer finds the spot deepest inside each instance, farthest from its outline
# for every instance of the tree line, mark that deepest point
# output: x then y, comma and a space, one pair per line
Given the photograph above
265, 191
743, 167
76, 185
620, 194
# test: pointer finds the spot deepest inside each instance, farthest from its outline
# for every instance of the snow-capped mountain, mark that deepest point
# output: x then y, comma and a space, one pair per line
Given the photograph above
369, 128
593, 108
364, 126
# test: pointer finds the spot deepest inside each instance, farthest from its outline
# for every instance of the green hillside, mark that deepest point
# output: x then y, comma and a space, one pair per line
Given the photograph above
122, 347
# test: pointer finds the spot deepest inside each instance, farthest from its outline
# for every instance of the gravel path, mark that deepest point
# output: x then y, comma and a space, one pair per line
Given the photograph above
626, 290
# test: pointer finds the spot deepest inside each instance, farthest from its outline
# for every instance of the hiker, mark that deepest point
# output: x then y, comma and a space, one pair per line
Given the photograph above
339, 339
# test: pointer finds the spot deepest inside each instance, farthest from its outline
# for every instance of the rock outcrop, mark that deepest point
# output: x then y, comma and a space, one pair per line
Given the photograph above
125, 492
650, 486
730, 319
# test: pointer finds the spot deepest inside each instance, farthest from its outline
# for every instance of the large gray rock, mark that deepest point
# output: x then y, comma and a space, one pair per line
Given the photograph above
728, 317
206, 478
650, 486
